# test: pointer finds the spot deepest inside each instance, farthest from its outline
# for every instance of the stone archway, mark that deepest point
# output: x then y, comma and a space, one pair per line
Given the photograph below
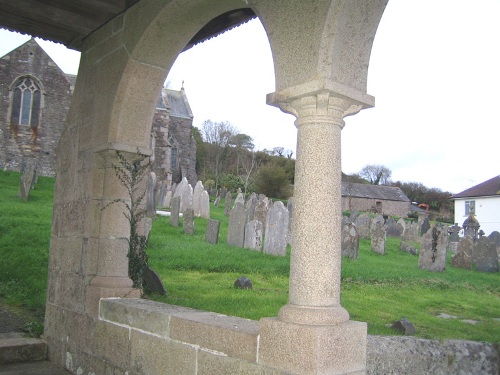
321, 52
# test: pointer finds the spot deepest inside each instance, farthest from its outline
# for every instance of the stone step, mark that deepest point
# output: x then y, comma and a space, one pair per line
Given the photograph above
32, 368
15, 347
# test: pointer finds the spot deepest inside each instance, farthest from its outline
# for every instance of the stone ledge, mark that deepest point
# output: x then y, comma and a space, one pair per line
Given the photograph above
16, 348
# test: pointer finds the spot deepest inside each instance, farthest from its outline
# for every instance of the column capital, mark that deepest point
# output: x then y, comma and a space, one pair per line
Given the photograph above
322, 97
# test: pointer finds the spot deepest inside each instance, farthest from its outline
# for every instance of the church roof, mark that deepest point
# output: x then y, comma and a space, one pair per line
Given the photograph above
387, 193
176, 102
486, 188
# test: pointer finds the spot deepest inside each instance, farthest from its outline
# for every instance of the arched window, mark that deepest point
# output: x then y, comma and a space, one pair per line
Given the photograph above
26, 103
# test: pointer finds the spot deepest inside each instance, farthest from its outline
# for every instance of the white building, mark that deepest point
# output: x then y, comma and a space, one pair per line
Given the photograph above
484, 200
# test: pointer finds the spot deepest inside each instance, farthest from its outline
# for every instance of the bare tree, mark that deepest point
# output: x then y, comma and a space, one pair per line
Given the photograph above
376, 174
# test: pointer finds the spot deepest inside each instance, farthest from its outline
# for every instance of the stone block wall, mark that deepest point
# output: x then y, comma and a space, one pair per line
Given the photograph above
390, 208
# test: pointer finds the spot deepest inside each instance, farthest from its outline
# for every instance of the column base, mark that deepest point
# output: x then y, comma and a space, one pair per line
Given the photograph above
95, 293
330, 315
313, 349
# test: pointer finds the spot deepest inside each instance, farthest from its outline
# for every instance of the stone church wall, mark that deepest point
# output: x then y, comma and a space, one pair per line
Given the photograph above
22, 144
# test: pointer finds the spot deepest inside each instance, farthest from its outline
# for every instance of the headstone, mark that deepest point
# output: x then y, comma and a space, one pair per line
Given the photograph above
463, 256
161, 192
432, 255
495, 238
27, 180
217, 201
426, 225
260, 213
404, 326
250, 206
253, 235
167, 199
471, 225
205, 205
188, 221
174, 211
408, 248
362, 223
276, 230
151, 282
395, 228
151, 195
454, 233
198, 189
180, 187
212, 233
484, 255
350, 240
237, 222
186, 198
229, 204
240, 198
238, 191
411, 232
289, 207
243, 282
378, 237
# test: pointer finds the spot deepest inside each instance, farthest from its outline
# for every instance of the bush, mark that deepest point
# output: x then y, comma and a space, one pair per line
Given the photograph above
273, 181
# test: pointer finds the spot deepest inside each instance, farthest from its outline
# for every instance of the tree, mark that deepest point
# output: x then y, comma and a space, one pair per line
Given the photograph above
376, 174
273, 181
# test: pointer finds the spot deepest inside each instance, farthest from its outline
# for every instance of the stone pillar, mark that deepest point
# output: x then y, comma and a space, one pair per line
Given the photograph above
313, 321
112, 278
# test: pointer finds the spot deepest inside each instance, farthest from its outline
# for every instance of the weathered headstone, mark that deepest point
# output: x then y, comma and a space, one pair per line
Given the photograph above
151, 195
250, 206
240, 198
260, 213
188, 221
167, 199
404, 326
378, 237
186, 198
217, 201
463, 256
495, 238
237, 222
27, 180
205, 205
229, 203
362, 223
408, 248
198, 189
212, 233
395, 228
151, 282
276, 230
484, 255
454, 233
426, 225
432, 255
253, 235
411, 232
174, 211
471, 225
350, 240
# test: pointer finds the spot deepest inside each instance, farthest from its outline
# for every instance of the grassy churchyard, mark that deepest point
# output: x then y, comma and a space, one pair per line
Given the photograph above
376, 289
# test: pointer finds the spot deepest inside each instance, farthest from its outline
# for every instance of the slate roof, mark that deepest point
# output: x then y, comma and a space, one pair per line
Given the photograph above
176, 102
486, 188
387, 193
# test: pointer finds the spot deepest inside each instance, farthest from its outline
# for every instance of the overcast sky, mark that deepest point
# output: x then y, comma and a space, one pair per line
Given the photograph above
434, 73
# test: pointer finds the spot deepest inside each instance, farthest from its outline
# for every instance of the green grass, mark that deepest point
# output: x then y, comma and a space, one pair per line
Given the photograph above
376, 289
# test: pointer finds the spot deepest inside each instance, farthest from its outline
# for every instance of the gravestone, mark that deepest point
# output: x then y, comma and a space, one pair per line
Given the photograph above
426, 225
350, 240
243, 282
179, 188
276, 230
229, 203
394, 228
205, 205
167, 199
404, 326
151, 195
378, 237
363, 223
471, 225
188, 221
151, 282
250, 206
198, 189
237, 222
212, 233
161, 192
411, 232
27, 181
432, 255
240, 198
186, 198
463, 256
217, 201
260, 213
253, 235
495, 238
484, 255
289, 207
174, 211
454, 233
408, 248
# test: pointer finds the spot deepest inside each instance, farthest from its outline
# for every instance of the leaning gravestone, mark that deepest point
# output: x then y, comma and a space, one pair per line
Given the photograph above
174, 211
26, 182
229, 203
378, 237
237, 222
217, 201
484, 255
212, 233
408, 248
432, 255
350, 240
188, 221
426, 225
253, 235
276, 230
151, 282
362, 223
463, 256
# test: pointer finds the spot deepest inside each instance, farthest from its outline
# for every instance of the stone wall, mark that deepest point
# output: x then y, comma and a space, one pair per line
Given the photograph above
389, 208
145, 337
20, 144
182, 130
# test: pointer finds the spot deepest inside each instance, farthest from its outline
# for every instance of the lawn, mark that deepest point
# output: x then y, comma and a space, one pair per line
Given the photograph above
376, 289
